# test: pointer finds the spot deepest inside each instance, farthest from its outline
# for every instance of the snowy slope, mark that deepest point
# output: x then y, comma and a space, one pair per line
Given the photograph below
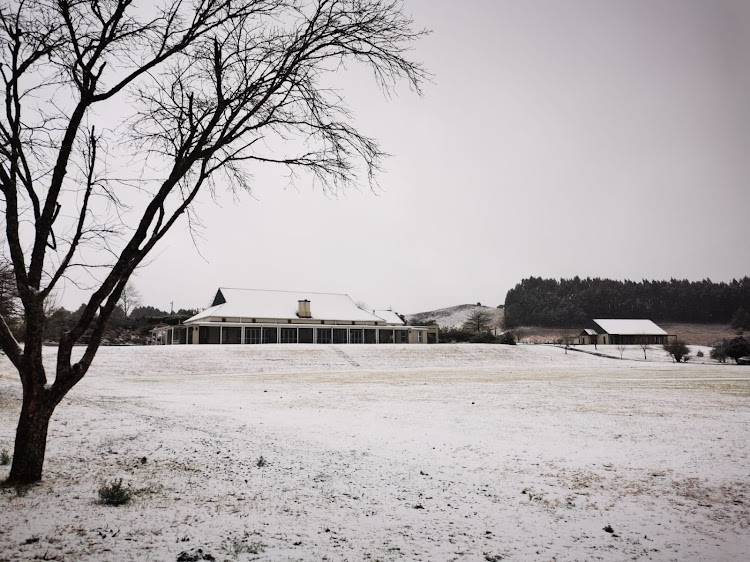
455, 316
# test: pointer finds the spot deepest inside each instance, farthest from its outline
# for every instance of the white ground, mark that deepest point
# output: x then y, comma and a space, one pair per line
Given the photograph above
388, 453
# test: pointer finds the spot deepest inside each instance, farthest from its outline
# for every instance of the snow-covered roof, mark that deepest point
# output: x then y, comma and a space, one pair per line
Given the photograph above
389, 316
630, 327
256, 303
589, 332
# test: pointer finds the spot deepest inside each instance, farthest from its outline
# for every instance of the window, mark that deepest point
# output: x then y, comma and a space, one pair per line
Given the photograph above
252, 335
385, 336
305, 335
339, 335
231, 335
420, 337
269, 335
325, 335
288, 335
356, 336
208, 334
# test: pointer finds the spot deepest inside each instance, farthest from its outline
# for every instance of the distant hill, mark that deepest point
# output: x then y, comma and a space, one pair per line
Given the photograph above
455, 316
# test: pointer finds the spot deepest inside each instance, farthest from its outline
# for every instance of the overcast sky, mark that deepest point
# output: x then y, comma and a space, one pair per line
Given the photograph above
586, 138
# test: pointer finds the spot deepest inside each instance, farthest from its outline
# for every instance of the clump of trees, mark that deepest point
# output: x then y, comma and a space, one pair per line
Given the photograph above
567, 302
734, 349
461, 335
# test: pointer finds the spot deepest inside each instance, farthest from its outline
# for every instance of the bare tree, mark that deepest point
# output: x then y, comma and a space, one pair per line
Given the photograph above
478, 320
566, 339
498, 322
621, 347
117, 117
129, 298
644, 345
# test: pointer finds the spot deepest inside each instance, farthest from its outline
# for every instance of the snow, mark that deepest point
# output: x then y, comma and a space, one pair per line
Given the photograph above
253, 303
389, 316
411, 452
630, 327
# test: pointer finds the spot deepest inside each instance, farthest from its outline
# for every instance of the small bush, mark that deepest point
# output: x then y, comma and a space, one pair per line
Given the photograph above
700, 353
738, 347
609, 529
482, 337
507, 338
115, 493
234, 546
719, 351
679, 351
4, 457
261, 462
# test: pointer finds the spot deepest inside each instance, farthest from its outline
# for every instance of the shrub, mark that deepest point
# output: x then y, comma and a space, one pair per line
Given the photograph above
261, 462
507, 338
234, 546
738, 347
679, 350
115, 493
700, 353
483, 337
719, 351
454, 335
4, 457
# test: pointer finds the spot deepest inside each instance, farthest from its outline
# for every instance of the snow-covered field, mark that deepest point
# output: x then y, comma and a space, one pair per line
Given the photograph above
449, 452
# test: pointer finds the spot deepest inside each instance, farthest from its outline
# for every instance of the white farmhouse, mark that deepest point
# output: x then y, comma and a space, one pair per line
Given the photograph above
252, 316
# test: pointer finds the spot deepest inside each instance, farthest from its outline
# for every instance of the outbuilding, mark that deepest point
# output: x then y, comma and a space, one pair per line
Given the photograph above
623, 332
252, 316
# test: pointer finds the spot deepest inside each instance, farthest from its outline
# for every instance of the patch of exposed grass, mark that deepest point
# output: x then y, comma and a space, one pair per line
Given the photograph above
115, 493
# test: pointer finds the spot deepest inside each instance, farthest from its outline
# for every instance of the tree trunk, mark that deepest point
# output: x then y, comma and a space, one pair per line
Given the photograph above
31, 441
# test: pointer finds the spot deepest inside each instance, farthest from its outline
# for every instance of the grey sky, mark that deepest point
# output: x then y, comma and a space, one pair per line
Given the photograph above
568, 138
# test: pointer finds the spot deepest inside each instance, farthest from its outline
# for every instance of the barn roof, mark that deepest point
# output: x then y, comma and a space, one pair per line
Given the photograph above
630, 327
256, 303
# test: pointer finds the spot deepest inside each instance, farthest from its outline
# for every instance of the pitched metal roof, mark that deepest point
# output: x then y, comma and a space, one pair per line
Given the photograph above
389, 316
256, 303
630, 327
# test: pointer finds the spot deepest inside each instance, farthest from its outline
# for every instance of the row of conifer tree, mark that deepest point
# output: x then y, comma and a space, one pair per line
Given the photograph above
536, 301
